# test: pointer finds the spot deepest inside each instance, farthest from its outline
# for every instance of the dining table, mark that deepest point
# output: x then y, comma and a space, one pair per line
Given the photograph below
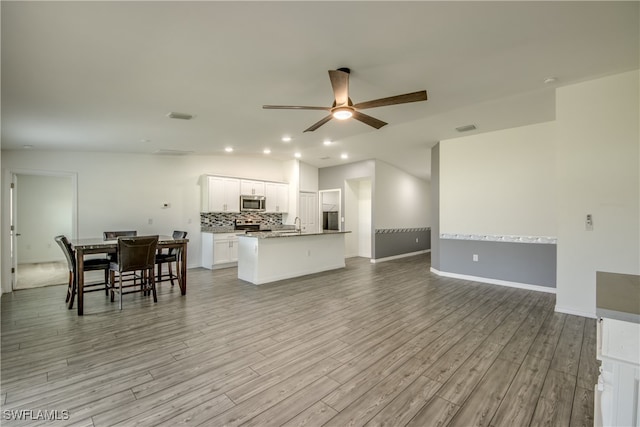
97, 245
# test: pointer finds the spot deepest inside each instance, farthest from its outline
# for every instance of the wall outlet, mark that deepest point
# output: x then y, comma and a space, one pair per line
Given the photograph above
416, 240
475, 257
150, 221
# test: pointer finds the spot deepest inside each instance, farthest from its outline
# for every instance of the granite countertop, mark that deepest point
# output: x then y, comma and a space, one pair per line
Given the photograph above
618, 296
231, 229
291, 233
219, 229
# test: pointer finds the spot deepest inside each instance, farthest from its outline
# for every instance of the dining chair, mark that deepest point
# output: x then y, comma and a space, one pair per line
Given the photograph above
170, 257
93, 264
134, 253
113, 235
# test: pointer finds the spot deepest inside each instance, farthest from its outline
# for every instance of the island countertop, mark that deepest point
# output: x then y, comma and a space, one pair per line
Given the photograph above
269, 257
289, 233
618, 296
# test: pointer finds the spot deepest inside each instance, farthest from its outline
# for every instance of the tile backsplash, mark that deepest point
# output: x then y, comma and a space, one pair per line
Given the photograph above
221, 219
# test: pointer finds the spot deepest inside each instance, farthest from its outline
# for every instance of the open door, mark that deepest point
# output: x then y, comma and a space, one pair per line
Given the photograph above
43, 205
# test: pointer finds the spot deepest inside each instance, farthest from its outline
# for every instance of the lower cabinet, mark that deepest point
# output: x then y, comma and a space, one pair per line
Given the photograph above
219, 250
617, 394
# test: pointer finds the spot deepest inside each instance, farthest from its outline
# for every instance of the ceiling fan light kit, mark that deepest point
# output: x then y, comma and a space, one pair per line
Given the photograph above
343, 108
342, 113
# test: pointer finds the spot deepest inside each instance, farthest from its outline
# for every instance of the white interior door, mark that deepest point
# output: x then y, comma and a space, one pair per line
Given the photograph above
309, 212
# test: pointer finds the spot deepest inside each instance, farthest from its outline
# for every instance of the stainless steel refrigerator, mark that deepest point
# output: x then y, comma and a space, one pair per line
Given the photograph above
330, 221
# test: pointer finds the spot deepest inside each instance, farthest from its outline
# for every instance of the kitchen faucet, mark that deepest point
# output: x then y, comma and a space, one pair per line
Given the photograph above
297, 222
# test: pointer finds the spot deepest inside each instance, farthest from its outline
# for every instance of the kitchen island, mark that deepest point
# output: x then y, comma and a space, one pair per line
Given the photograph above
270, 256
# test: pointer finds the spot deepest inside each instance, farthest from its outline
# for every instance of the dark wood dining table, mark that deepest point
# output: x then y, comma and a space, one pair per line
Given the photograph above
97, 245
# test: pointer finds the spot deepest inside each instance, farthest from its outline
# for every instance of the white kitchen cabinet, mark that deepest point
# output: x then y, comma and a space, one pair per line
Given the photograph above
219, 250
617, 391
252, 188
277, 197
220, 194
617, 394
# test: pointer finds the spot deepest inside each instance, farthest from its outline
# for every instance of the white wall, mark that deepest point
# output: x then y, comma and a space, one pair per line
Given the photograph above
401, 200
124, 191
598, 162
500, 183
308, 178
44, 209
364, 217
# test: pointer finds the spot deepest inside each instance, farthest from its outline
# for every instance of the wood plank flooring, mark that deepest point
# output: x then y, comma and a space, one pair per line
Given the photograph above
386, 344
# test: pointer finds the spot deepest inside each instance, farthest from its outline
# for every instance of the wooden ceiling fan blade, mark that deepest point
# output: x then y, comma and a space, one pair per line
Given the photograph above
340, 84
393, 100
318, 124
371, 121
293, 107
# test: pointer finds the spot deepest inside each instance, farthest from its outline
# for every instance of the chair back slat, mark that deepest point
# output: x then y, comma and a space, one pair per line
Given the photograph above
136, 253
177, 235
64, 244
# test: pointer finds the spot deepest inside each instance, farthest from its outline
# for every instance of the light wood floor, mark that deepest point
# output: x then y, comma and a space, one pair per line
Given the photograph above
373, 344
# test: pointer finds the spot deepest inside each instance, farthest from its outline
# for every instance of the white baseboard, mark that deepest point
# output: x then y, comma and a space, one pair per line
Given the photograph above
495, 281
389, 258
573, 312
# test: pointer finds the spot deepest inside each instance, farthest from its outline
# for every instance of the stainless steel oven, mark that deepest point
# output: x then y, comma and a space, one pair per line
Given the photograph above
252, 203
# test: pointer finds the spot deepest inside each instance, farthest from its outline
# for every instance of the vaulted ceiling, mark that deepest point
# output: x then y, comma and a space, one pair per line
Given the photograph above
101, 76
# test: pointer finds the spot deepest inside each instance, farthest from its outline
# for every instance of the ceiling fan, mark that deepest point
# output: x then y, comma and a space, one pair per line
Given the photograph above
343, 108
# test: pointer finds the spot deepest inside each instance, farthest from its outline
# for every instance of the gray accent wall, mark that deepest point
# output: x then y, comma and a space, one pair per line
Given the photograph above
529, 263
435, 206
401, 241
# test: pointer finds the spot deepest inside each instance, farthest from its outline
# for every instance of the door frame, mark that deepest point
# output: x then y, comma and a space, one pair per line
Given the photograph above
9, 212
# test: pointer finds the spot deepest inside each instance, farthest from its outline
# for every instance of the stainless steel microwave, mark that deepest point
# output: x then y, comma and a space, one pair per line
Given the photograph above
252, 203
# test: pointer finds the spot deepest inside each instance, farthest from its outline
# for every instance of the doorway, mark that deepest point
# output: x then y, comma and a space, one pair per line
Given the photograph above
331, 209
358, 217
42, 207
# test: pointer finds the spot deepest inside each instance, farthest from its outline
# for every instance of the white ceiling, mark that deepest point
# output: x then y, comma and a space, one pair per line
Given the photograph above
101, 76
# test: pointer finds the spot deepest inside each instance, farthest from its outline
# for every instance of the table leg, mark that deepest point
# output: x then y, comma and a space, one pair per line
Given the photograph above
80, 280
183, 270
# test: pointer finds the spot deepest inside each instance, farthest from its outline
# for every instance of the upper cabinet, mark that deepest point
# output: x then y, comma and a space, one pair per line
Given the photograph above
252, 188
277, 197
220, 194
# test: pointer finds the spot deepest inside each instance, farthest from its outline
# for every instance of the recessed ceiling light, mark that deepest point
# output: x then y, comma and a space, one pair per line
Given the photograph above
266, 151
228, 149
180, 116
327, 142
297, 155
286, 139
344, 156
27, 147
550, 80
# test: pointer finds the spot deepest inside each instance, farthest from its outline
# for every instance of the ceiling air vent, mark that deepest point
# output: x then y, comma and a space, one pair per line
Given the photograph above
325, 158
466, 128
181, 116
172, 152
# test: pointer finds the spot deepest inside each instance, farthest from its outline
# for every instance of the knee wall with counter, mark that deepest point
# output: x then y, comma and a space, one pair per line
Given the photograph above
515, 262
400, 241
